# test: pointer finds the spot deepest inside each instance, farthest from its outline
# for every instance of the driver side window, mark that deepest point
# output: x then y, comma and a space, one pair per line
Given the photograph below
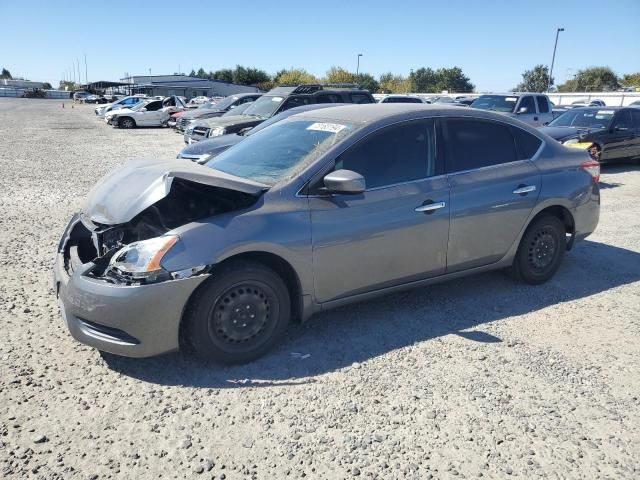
397, 154
527, 102
623, 121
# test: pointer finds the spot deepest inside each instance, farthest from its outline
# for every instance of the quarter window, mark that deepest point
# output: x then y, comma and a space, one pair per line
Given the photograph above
527, 144
360, 98
472, 144
635, 115
397, 154
329, 98
543, 105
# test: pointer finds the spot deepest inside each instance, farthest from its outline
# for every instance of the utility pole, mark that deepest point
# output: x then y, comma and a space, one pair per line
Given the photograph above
358, 66
86, 75
553, 59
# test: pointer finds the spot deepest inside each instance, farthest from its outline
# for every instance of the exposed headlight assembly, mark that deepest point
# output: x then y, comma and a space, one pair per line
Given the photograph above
139, 262
216, 132
571, 141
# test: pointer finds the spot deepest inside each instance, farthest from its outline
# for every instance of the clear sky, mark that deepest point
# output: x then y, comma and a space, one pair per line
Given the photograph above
492, 41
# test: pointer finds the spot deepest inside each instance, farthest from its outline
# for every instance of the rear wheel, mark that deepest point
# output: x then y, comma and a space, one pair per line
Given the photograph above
239, 314
126, 122
540, 251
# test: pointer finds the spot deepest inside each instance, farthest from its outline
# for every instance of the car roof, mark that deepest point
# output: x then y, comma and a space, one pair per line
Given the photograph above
372, 112
595, 107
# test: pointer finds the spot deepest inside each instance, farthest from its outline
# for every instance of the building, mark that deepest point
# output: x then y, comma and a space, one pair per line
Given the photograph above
182, 85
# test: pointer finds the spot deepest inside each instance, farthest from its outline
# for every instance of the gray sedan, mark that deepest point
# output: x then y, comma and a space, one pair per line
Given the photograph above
318, 210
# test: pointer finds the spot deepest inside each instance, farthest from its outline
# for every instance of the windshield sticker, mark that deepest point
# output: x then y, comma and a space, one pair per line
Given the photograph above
326, 127
605, 112
511, 99
276, 99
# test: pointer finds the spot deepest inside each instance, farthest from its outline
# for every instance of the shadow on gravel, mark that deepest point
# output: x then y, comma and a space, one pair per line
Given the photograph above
619, 167
336, 339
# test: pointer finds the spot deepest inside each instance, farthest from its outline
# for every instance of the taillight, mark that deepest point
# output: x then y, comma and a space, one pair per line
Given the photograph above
592, 168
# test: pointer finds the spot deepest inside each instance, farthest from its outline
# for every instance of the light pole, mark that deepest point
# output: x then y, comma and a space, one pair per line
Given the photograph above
553, 59
358, 67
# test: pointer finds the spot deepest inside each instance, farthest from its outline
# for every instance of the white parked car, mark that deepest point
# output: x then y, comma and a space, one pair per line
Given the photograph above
152, 113
126, 102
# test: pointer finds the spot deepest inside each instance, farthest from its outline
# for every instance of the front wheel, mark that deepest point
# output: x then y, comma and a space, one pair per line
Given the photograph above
126, 122
540, 251
239, 314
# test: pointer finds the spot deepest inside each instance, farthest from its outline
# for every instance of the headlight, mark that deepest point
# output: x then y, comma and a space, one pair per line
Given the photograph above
216, 132
141, 260
205, 158
571, 141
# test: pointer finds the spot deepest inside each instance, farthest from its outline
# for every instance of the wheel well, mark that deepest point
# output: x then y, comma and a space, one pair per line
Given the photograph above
564, 215
126, 116
282, 268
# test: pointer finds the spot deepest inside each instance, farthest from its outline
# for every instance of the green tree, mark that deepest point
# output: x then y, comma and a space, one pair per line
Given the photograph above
631, 80
423, 80
339, 75
65, 85
249, 76
224, 75
453, 80
535, 80
47, 86
6, 74
367, 82
391, 83
294, 76
192, 73
592, 79
201, 73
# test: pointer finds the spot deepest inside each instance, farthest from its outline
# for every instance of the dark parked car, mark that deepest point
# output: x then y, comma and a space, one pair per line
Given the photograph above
403, 99
321, 209
608, 133
211, 110
275, 101
202, 152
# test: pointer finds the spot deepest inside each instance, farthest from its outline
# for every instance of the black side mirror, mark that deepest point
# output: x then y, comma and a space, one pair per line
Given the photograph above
344, 181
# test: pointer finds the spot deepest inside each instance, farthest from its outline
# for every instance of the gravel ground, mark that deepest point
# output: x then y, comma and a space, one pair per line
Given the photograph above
479, 377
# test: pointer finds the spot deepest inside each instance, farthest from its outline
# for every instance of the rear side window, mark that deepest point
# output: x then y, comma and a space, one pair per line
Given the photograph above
635, 115
543, 105
397, 154
153, 106
296, 102
526, 143
360, 98
329, 98
402, 100
527, 102
472, 143
623, 120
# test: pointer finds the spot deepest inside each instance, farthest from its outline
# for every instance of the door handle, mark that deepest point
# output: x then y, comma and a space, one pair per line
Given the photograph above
430, 207
524, 189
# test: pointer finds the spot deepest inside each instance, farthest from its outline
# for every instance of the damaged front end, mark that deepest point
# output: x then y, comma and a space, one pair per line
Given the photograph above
130, 252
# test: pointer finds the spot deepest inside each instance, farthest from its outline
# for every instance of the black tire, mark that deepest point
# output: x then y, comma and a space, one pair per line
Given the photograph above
238, 314
126, 122
540, 251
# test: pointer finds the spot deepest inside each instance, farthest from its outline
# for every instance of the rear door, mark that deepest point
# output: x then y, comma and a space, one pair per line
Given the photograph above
494, 186
152, 116
635, 116
394, 232
544, 109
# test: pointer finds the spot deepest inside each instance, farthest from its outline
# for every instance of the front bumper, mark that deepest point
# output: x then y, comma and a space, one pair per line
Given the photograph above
132, 321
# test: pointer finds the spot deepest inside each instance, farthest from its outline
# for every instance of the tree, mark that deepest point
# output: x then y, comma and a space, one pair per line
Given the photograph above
592, 79
224, 75
69, 86
339, 75
535, 80
249, 76
391, 83
423, 80
453, 80
47, 86
192, 73
367, 82
631, 80
294, 76
5, 74
201, 73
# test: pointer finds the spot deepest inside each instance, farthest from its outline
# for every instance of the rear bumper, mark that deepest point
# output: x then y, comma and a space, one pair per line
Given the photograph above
133, 321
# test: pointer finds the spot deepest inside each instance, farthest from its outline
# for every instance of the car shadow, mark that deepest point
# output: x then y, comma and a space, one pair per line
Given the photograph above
337, 339
619, 167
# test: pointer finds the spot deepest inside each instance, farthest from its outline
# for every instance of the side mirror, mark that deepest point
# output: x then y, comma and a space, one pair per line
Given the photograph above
522, 110
143, 109
344, 181
545, 123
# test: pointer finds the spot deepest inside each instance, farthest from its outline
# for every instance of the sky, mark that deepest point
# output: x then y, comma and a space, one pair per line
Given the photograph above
493, 42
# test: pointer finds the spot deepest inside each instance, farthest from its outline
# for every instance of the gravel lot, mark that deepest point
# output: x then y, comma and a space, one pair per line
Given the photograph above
480, 377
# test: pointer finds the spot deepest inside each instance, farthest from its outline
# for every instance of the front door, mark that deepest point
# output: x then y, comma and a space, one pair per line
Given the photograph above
526, 111
394, 232
621, 136
494, 186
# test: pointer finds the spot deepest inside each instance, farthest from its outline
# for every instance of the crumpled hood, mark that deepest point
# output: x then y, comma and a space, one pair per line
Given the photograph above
120, 111
130, 189
565, 133
202, 112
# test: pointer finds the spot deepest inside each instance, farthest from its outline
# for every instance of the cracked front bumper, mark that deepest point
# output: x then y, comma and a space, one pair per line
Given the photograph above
132, 321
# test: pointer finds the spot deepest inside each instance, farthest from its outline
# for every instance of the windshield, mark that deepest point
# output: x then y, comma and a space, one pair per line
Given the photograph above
239, 110
225, 103
497, 103
264, 107
584, 118
277, 153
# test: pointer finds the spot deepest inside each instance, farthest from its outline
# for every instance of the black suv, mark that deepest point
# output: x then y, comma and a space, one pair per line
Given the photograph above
275, 101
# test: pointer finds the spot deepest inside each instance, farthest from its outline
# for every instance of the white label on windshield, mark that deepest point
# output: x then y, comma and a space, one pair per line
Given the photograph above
276, 99
605, 112
511, 99
326, 127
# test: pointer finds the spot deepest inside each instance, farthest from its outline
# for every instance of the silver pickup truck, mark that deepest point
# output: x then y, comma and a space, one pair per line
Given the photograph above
531, 108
